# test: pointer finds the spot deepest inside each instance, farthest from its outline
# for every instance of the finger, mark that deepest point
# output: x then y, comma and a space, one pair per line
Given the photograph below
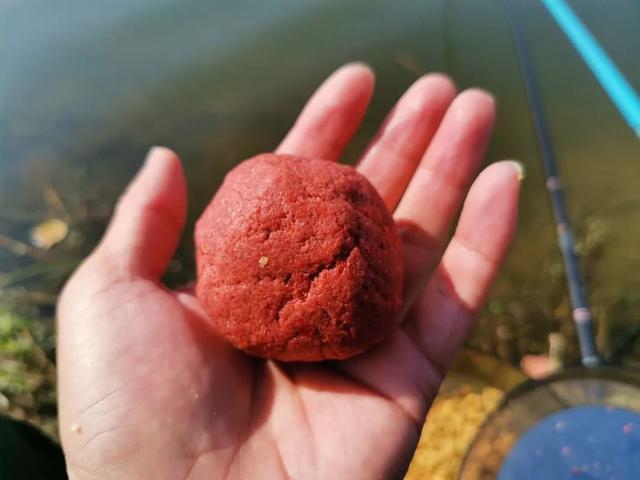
537, 367
443, 315
441, 180
149, 218
394, 153
332, 115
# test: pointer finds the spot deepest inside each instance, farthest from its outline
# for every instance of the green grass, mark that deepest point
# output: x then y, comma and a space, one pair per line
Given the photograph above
27, 370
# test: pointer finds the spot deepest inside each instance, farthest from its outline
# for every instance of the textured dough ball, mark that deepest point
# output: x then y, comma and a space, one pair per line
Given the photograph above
298, 260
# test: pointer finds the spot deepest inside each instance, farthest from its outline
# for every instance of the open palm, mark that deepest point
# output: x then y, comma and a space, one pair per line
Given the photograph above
148, 390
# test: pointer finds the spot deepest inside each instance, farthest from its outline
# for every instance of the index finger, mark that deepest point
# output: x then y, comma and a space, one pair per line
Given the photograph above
332, 114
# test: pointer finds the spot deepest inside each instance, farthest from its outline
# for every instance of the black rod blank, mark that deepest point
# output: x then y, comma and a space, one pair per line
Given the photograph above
581, 311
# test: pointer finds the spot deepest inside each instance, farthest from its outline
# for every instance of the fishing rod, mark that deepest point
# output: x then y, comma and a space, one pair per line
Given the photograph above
603, 68
582, 316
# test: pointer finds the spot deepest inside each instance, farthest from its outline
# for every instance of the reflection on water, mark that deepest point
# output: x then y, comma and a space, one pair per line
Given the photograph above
85, 89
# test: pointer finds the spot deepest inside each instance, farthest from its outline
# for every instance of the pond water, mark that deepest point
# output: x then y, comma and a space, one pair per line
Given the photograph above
87, 87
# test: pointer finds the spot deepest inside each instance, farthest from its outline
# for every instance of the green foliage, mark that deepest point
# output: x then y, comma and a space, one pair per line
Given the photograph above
27, 373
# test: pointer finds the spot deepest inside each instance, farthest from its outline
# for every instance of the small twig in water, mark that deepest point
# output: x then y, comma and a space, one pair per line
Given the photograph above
22, 249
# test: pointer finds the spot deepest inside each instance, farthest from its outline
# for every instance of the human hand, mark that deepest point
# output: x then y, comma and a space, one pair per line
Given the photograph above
147, 390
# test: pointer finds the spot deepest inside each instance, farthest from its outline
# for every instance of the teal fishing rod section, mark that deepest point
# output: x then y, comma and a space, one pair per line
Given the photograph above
603, 68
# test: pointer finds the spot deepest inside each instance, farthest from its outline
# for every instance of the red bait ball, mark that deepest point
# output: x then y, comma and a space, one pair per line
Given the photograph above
299, 260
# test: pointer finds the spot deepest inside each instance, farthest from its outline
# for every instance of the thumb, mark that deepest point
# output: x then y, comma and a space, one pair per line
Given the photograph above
148, 219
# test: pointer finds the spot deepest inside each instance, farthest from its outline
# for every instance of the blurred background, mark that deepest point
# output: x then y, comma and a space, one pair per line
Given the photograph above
87, 87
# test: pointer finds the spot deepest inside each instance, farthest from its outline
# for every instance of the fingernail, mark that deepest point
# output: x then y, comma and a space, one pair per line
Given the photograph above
519, 168
357, 64
153, 152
